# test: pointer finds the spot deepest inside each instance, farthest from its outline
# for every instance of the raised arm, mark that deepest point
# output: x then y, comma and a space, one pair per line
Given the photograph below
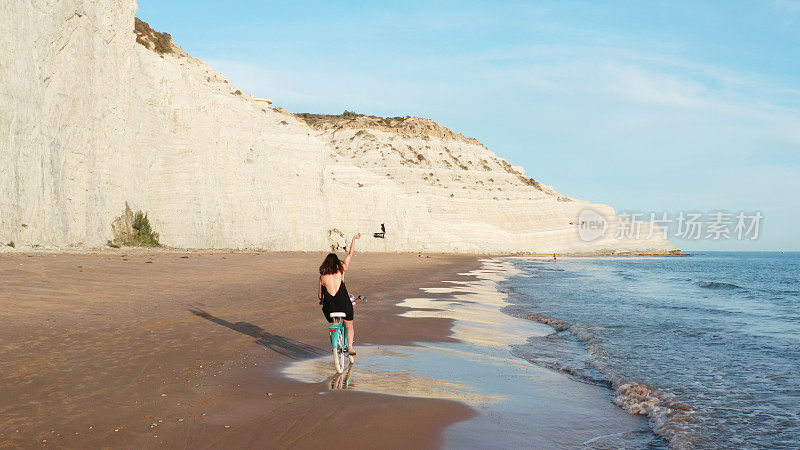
350, 253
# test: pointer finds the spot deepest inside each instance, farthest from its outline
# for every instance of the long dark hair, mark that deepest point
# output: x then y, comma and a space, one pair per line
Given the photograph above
330, 265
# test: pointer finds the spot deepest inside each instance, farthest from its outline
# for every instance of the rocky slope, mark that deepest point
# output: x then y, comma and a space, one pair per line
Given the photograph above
98, 110
461, 196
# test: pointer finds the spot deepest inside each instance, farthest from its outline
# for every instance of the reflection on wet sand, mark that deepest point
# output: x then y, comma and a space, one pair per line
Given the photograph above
386, 370
476, 307
341, 381
439, 371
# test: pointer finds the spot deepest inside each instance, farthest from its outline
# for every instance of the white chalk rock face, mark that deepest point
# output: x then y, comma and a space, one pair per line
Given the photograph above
91, 119
444, 192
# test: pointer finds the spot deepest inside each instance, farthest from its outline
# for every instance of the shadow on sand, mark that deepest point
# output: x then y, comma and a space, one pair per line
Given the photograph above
278, 344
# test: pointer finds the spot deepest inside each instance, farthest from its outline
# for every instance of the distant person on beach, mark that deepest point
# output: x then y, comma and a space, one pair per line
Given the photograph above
331, 279
554, 258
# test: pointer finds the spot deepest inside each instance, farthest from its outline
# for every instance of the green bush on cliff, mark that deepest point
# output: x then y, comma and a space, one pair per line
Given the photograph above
133, 230
162, 42
143, 234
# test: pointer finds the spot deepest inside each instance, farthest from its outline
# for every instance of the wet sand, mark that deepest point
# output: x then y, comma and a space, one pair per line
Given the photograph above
150, 349
519, 405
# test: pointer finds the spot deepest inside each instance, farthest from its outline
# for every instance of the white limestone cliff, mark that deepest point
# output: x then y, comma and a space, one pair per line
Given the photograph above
456, 194
91, 119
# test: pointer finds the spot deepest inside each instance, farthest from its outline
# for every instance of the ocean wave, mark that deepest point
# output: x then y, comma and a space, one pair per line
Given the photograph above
584, 333
560, 351
669, 418
574, 369
718, 285
559, 325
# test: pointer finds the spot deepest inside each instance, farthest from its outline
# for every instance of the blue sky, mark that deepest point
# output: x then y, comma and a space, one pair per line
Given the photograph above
646, 106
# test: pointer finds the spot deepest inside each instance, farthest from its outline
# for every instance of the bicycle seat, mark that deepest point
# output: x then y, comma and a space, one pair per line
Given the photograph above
337, 314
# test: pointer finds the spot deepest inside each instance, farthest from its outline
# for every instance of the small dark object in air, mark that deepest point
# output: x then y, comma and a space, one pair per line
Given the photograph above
382, 234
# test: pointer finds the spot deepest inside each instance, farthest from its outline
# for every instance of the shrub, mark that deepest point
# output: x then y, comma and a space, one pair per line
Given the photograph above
143, 234
133, 230
162, 42
11, 244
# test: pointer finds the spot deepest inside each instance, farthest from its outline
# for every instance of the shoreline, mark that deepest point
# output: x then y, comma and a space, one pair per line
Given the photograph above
480, 369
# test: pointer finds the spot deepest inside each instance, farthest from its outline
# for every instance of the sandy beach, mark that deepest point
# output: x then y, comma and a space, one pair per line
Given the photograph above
138, 348
210, 350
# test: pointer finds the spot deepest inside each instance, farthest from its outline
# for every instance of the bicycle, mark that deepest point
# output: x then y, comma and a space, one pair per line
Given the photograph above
338, 335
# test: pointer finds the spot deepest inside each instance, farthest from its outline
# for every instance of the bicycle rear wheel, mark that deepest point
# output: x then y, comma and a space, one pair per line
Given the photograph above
338, 351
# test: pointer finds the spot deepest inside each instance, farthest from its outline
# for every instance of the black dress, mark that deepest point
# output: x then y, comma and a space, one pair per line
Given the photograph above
337, 303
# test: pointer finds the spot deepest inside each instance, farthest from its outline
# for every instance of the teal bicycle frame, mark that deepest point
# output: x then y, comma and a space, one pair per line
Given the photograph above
339, 344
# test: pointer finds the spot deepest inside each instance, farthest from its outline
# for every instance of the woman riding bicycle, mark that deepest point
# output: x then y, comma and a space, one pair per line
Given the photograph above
331, 279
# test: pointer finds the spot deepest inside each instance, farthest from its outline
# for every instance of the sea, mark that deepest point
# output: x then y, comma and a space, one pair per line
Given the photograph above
706, 346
